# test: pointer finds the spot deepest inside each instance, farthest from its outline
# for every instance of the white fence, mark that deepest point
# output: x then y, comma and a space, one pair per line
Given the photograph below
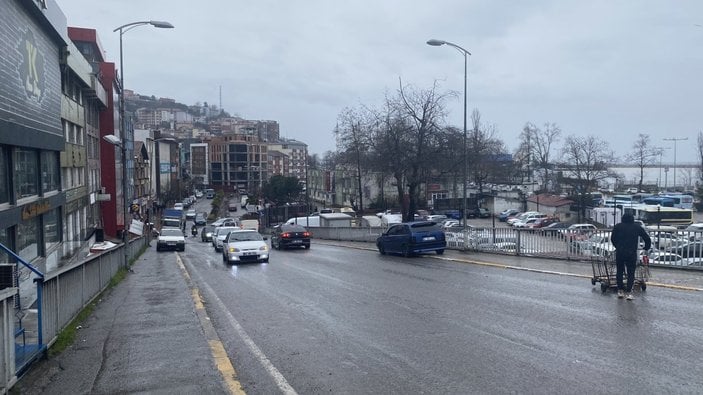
682, 250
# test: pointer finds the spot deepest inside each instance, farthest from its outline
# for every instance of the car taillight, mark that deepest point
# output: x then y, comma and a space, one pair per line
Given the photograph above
307, 234
285, 235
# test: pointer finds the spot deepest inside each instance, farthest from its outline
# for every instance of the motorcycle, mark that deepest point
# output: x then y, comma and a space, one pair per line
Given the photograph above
194, 231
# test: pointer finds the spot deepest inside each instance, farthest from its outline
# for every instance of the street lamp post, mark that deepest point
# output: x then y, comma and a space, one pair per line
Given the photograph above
675, 139
122, 141
466, 53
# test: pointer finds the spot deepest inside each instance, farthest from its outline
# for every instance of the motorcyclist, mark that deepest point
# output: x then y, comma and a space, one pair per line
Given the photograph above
194, 230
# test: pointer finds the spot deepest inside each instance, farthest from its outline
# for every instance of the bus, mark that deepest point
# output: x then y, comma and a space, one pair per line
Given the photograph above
681, 201
659, 200
658, 215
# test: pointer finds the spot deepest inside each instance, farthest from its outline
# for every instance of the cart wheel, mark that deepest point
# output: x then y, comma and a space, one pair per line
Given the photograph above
643, 287
603, 287
593, 281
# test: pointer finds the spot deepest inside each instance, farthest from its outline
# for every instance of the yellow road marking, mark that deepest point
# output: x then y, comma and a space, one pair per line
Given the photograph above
217, 349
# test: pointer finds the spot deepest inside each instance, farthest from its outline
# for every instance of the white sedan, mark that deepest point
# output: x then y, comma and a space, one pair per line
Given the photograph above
245, 246
171, 239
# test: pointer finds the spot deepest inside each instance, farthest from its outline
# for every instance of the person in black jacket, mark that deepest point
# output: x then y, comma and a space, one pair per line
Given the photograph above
625, 238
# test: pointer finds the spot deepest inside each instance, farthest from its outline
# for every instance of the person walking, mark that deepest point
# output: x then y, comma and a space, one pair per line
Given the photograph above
625, 237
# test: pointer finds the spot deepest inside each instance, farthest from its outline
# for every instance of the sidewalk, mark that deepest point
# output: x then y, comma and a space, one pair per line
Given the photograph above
144, 335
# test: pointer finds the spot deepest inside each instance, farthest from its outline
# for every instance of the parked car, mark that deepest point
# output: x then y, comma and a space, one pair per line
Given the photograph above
578, 231
688, 249
219, 235
555, 228
200, 219
178, 206
663, 240
596, 240
665, 258
504, 215
484, 212
543, 222
208, 230
437, 217
525, 216
242, 245
411, 238
290, 235
190, 215
453, 214
528, 223
171, 239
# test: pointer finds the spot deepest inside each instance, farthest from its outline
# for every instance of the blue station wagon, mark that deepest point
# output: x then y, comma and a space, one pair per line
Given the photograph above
412, 238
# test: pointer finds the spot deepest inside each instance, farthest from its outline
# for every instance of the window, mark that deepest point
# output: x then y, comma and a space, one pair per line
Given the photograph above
49, 171
4, 177
51, 229
5, 240
25, 171
27, 240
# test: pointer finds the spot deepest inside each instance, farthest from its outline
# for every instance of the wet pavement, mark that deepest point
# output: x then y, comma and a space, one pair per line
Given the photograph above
147, 338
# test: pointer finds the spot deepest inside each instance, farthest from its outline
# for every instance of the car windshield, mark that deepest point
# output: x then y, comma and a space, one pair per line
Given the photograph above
245, 236
171, 232
426, 227
221, 232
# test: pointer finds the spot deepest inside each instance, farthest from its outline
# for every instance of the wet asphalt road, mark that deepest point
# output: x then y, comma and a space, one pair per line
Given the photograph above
339, 320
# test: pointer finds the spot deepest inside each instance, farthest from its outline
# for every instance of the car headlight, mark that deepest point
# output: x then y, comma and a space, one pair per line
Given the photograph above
263, 248
208, 234
233, 249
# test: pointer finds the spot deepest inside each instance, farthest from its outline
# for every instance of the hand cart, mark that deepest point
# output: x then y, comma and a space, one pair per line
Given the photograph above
604, 271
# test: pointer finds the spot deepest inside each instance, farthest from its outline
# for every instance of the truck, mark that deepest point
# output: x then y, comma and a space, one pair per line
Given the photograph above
172, 218
312, 221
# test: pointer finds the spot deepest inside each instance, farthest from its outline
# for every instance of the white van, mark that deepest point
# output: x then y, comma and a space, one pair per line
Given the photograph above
313, 221
252, 224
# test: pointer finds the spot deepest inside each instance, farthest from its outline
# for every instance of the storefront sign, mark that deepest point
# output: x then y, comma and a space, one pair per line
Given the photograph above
33, 209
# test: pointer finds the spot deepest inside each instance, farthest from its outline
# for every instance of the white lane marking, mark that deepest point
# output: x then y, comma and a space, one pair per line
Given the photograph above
277, 377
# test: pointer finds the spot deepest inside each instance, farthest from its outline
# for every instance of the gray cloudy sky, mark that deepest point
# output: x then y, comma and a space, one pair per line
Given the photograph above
608, 68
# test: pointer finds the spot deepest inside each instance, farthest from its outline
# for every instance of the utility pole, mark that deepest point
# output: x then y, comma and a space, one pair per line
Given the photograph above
675, 139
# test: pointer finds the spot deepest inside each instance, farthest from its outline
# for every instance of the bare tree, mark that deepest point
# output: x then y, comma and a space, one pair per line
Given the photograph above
642, 155
354, 139
408, 140
585, 162
483, 150
544, 140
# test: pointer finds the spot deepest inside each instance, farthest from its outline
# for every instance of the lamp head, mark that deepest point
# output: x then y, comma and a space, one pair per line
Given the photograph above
161, 24
112, 139
436, 43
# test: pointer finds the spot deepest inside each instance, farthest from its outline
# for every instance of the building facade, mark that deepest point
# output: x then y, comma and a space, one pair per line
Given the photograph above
31, 133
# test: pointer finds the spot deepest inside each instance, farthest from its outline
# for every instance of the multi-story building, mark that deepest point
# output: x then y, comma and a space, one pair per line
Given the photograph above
83, 99
108, 120
296, 163
199, 164
33, 49
238, 162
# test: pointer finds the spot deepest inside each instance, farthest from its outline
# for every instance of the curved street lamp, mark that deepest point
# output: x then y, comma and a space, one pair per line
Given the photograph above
124, 29
466, 53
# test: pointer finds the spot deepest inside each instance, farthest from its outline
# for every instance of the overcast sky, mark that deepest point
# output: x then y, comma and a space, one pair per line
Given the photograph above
613, 69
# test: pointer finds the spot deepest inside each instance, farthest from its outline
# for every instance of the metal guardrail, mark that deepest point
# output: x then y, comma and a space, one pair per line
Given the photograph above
61, 295
7, 347
544, 243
